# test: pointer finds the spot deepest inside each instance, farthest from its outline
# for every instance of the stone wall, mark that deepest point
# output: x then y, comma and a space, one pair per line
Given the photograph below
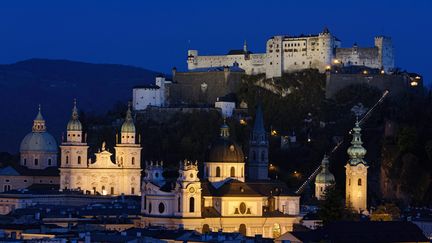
396, 83
202, 87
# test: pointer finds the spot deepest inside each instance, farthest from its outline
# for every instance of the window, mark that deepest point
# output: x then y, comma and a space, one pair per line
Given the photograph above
25, 161
192, 204
145, 202
253, 155
161, 208
49, 161
218, 171
232, 174
67, 159
133, 160
242, 229
36, 162
79, 160
150, 207
205, 229
6, 188
132, 190
359, 182
178, 204
262, 156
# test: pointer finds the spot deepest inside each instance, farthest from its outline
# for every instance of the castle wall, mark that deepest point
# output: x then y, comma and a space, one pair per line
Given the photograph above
396, 84
203, 87
287, 54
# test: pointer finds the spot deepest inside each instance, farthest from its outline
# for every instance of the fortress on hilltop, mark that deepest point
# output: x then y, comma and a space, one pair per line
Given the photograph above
291, 53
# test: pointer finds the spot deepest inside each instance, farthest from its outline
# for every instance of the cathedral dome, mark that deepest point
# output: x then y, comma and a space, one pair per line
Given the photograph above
225, 150
38, 141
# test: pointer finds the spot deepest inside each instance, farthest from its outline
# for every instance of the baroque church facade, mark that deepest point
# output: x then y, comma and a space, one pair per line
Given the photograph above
229, 196
101, 176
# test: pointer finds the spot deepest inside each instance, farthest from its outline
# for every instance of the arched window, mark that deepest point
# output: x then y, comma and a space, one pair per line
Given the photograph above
7, 188
242, 229
232, 172
133, 160
178, 204
132, 190
150, 207
205, 229
276, 230
359, 182
36, 162
49, 161
161, 208
192, 204
67, 159
218, 171
79, 160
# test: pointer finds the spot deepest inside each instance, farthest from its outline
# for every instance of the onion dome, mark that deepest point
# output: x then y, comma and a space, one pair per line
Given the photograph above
356, 151
74, 124
128, 125
224, 149
325, 176
39, 139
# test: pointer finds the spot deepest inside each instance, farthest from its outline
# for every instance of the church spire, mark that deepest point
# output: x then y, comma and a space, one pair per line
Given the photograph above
128, 128
39, 122
356, 151
245, 49
74, 124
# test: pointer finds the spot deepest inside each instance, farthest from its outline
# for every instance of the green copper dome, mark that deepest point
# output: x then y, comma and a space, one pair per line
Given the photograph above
128, 126
356, 151
325, 176
74, 124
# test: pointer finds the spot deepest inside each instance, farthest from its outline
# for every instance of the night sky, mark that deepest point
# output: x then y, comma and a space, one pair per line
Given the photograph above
156, 35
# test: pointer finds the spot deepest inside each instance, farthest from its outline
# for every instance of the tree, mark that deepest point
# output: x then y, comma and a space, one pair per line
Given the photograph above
332, 208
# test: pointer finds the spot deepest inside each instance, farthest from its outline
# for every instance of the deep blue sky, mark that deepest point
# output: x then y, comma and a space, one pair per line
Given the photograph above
157, 34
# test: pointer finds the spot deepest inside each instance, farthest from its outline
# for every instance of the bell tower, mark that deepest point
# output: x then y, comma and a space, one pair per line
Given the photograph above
258, 149
188, 190
356, 173
128, 151
73, 152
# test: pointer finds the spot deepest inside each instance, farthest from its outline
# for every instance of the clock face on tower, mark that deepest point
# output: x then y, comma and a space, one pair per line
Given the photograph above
191, 190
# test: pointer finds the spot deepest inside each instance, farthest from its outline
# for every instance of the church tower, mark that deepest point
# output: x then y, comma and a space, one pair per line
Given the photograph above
128, 151
258, 149
188, 191
324, 179
356, 173
73, 150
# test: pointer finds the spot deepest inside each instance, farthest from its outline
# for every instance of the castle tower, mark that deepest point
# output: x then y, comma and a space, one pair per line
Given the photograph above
327, 46
38, 149
385, 52
356, 173
73, 150
258, 149
128, 151
188, 191
324, 179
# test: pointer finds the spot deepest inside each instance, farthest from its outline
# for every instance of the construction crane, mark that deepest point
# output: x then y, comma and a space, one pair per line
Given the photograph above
361, 121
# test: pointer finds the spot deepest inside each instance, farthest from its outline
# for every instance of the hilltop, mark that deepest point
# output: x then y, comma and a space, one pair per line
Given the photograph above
54, 84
